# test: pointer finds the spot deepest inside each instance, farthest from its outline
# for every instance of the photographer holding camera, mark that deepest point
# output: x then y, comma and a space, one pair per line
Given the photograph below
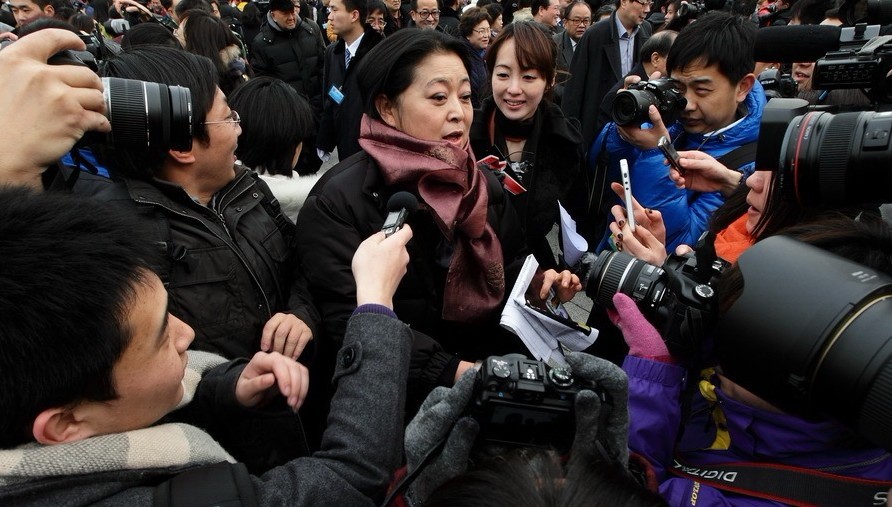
711, 64
54, 106
734, 447
498, 436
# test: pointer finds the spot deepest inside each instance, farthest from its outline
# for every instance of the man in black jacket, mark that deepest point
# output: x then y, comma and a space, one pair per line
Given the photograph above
342, 104
290, 48
607, 52
227, 244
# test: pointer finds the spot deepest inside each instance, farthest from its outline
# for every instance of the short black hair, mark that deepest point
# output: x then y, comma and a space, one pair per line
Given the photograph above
495, 10
471, 18
811, 12
536, 477
660, 43
413, 5
716, 38
171, 67
538, 5
389, 68
358, 5
148, 34
275, 120
70, 268
187, 5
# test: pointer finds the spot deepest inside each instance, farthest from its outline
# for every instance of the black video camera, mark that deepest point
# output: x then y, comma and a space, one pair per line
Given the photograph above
863, 62
677, 298
522, 402
630, 105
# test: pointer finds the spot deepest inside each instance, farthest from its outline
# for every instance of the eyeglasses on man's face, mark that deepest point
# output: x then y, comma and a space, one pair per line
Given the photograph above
646, 3
426, 13
233, 118
376, 22
580, 21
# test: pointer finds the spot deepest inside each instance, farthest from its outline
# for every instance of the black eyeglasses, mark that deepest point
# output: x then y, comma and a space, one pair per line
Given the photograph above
425, 13
233, 118
583, 21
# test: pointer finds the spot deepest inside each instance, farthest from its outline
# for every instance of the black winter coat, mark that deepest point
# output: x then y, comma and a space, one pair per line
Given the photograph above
556, 172
294, 56
228, 269
349, 204
339, 127
595, 68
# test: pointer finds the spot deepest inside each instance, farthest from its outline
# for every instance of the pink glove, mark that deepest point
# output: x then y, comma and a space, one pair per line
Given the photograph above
642, 338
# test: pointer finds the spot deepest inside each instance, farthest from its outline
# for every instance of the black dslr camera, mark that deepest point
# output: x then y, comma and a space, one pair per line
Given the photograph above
778, 84
522, 402
677, 298
630, 105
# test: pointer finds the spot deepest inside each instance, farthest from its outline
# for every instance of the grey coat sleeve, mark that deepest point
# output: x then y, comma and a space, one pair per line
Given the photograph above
363, 443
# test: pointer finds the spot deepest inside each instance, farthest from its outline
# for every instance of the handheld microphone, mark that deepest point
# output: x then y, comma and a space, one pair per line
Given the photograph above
399, 206
795, 43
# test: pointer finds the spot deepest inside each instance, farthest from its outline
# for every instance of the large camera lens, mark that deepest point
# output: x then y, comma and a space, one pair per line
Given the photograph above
837, 159
147, 116
630, 107
811, 333
620, 272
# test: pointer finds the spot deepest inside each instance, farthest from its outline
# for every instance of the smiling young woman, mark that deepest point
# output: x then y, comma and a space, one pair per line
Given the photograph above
520, 125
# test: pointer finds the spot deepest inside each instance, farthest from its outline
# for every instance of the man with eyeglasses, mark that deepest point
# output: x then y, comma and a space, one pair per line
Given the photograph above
225, 242
425, 14
603, 56
577, 19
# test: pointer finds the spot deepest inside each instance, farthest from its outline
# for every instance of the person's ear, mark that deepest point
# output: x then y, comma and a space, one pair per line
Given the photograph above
744, 86
387, 110
354, 17
49, 10
182, 157
655, 59
59, 425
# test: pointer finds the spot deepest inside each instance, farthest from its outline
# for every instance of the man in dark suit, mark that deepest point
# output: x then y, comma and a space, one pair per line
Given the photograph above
577, 18
606, 53
341, 102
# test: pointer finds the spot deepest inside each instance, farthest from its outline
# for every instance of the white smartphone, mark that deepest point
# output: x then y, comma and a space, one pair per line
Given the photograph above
627, 188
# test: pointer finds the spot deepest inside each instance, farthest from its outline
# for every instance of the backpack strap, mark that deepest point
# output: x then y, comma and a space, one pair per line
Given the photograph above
223, 483
739, 156
783, 483
274, 209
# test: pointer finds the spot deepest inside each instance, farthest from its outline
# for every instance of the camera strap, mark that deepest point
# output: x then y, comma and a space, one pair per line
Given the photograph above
782, 483
739, 156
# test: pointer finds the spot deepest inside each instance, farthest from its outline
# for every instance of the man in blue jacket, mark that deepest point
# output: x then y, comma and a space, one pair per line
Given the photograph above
712, 63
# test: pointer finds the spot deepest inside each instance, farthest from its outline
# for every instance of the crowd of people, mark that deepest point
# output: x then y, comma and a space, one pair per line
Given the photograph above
215, 316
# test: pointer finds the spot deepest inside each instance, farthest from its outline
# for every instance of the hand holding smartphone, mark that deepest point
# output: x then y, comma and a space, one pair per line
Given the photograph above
627, 189
668, 150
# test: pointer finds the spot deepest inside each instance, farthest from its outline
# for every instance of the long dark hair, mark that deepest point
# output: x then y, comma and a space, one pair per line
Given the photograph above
207, 35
